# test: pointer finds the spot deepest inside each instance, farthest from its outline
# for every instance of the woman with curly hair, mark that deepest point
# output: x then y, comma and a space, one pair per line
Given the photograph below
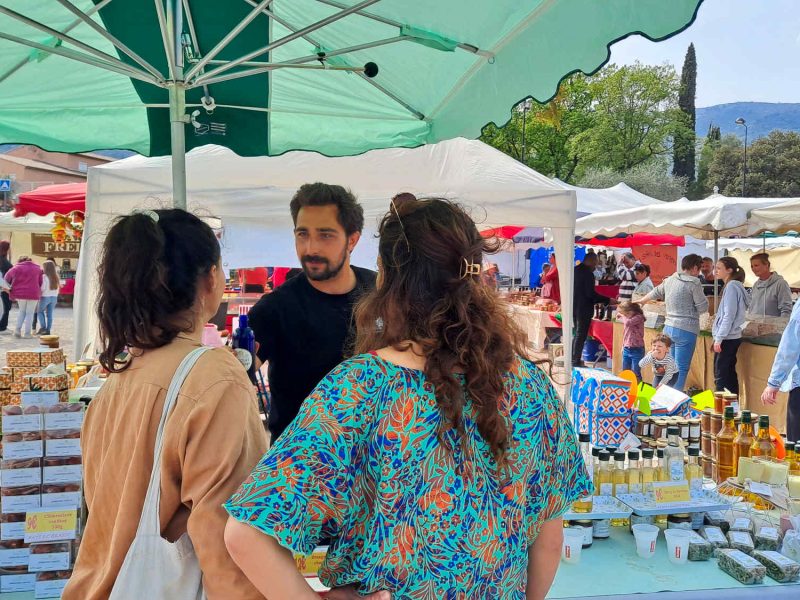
439, 459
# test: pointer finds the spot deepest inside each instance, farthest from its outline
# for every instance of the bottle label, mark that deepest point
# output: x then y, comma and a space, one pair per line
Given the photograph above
606, 489
636, 488
602, 528
245, 358
696, 484
676, 470
622, 488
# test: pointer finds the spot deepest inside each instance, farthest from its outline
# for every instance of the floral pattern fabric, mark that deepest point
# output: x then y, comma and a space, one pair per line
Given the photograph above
362, 465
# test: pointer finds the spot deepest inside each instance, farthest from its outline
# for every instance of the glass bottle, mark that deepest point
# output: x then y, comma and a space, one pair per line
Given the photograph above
792, 459
694, 474
648, 471
663, 475
725, 439
673, 455
634, 473
744, 439
620, 484
596, 450
605, 483
762, 445
584, 504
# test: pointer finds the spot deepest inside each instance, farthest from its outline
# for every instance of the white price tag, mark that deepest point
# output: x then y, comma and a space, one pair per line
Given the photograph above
761, 488
629, 442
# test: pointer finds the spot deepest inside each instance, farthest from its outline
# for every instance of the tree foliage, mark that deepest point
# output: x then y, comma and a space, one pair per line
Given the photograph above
684, 137
652, 178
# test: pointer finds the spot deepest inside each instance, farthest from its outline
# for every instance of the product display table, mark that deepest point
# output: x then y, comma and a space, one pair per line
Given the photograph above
533, 323
612, 568
603, 332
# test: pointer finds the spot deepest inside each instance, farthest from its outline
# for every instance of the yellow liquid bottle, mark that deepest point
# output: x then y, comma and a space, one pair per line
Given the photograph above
596, 468
693, 471
674, 457
762, 445
620, 481
725, 439
662, 475
634, 473
605, 482
792, 460
648, 472
744, 439
584, 504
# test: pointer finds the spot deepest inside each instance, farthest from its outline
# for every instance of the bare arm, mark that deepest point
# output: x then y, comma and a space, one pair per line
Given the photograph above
543, 557
269, 566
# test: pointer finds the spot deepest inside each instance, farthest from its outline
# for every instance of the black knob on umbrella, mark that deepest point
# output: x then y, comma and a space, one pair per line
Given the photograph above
370, 69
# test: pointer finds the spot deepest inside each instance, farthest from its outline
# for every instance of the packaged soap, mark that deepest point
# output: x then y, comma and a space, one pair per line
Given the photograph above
715, 536
743, 524
739, 540
699, 548
768, 538
779, 567
717, 519
745, 569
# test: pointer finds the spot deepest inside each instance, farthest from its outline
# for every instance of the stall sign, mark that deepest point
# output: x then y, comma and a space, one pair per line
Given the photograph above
662, 260
42, 244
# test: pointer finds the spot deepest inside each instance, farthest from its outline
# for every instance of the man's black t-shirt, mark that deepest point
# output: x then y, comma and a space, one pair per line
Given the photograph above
304, 334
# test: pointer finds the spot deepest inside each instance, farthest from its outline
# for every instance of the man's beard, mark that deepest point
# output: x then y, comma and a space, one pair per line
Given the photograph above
327, 273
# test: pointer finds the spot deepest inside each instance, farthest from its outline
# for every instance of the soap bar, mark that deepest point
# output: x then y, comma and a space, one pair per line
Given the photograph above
715, 536
717, 519
779, 567
749, 469
768, 538
745, 569
739, 540
699, 548
775, 473
743, 524
793, 484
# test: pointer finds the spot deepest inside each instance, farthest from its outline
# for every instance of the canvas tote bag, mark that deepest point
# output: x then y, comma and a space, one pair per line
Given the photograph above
155, 568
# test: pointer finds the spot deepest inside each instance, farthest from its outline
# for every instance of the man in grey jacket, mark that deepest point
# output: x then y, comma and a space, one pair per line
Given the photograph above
771, 295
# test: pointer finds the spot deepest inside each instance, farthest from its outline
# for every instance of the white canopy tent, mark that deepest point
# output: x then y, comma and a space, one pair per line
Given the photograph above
251, 196
758, 244
618, 197
780, 217
18, 230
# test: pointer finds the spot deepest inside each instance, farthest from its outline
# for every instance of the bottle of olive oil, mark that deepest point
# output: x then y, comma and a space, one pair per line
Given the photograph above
762, 445
648, 471
620, 481
605, 482
694, 474
673, 455
634, 473
584, 504
596, 450
725, 439
744, 439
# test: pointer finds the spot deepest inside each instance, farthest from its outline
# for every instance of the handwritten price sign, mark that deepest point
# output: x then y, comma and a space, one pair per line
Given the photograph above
50, 525
669, 492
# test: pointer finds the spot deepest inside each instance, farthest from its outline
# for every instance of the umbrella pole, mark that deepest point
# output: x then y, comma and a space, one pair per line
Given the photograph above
177, 117
716, 260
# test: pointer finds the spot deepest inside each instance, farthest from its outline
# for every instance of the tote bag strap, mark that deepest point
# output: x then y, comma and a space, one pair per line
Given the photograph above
149, 523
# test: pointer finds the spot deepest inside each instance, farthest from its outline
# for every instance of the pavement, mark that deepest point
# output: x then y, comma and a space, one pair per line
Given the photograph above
63, 326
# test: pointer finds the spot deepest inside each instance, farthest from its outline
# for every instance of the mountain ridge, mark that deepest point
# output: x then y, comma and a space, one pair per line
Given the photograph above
761, 118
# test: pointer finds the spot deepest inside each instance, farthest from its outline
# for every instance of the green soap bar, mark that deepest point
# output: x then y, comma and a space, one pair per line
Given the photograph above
745, 569
779, 567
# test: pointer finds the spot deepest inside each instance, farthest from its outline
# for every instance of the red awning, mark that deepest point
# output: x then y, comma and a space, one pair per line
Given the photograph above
635, 239
61, 198
506, 232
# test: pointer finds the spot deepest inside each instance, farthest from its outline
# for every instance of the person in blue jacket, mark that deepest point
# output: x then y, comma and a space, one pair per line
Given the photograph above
785, 374
729, 323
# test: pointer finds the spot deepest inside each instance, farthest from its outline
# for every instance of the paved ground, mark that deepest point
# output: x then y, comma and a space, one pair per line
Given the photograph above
63, 326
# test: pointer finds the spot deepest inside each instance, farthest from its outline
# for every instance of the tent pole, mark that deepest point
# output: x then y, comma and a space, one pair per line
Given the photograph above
177, 102
716, 260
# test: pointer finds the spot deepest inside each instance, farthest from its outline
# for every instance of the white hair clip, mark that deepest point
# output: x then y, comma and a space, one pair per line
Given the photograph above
149, 213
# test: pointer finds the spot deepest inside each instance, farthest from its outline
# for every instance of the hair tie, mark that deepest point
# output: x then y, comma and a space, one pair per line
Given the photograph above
470, 269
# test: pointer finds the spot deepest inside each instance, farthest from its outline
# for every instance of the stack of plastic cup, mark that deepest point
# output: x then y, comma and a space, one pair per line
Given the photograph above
678, 545
573, 544
646, 538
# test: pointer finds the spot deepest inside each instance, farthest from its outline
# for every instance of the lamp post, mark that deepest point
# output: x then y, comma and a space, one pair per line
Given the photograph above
743, 123
525, 107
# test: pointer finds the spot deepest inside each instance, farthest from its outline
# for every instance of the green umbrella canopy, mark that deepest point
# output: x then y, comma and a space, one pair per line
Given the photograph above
445, 68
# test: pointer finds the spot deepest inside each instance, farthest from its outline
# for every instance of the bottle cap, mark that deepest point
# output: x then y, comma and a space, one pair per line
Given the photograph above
660, 453
596, 450
584, 437
605, 455
647, 453
747, 416
694, 451
242, 321
619, 455
729, 414
790, 445
633, 454
673, 430
763, 421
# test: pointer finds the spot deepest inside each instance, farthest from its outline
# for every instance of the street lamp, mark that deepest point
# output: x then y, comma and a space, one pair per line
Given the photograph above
743, 123
524, 108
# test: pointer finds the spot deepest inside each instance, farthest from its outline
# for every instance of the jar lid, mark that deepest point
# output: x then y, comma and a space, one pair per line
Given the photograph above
584, 437
642, 418
694, 421
716, 417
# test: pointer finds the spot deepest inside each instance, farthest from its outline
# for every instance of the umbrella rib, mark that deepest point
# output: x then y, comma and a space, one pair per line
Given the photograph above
393, 96
89, 60
284, 40
67, 38
272, 67
85, 17
165, 38
229, 37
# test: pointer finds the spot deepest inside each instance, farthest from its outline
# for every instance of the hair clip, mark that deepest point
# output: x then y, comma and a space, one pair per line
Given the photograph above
470, 269
149, 213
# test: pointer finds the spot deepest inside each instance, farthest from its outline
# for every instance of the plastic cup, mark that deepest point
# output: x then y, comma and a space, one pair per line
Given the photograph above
678, 545
573, 544
646, 537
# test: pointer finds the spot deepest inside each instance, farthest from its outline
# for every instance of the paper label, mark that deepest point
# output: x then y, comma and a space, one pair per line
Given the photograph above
636, 488
606, 489
671, 491
676, 470
714, 534
777, 557
50, 525
63, 420
69, 447
39, 399
742, 524
770, 532
57, 561
21, 423
20, 450
761, 489
50, 589
12, 531
21, 504
62, 500
17, 583
14, 557
629, 442
696, 484
622, 488
19, 477
63, 474
740, 537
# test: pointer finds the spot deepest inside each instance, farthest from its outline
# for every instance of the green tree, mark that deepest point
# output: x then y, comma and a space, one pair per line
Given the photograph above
684, 137
701, 188
652, 178
773, 166
725, 170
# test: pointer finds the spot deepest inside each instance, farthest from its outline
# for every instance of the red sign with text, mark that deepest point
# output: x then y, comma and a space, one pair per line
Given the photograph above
662, 260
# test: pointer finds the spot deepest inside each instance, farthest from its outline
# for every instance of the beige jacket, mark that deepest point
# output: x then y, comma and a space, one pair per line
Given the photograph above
212, 440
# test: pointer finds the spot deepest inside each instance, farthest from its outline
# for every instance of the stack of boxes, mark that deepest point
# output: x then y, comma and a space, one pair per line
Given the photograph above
40, 472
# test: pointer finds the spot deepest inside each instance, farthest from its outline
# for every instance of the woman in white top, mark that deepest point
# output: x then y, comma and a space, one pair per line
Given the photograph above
51, 284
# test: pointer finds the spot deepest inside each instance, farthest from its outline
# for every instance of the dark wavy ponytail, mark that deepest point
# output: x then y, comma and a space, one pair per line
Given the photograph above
148, 274
431, 294
737, 272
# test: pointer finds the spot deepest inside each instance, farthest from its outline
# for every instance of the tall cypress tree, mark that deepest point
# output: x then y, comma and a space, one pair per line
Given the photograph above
684, 142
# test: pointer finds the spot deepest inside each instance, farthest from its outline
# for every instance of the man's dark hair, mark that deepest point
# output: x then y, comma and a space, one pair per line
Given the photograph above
690, 261
350, 212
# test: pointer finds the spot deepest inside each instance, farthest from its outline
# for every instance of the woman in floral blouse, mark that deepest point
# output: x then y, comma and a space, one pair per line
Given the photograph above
439, 460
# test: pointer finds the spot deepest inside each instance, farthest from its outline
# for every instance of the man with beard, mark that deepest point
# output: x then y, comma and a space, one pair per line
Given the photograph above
305, 327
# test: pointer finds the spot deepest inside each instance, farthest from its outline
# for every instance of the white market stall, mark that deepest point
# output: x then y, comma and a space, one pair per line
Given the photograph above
18, 230
251, 196
782, 250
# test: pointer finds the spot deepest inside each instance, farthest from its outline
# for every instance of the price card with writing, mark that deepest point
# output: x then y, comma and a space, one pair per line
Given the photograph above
50, 525
671, 491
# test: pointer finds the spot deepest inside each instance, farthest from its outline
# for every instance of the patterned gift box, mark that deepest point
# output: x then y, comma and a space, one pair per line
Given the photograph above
63, 396
20, 373
5, 379
600, 406
47, 383
22, 358
5, 397
17, 387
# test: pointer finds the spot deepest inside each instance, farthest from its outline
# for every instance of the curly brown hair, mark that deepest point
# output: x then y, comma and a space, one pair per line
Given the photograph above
426, 295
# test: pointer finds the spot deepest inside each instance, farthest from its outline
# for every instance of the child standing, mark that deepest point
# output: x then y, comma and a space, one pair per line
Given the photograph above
632, 318
665, 369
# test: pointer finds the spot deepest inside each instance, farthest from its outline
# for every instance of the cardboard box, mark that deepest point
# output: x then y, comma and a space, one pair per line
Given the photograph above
64, 416
14, 554
22, 499
17, 387
37, 357
64, 495
20, 473
5, 379
48, 383
50, 557
40, 398
20, 373
59, 470
17, 446
20, 423
6, 397
64, 442
12, 526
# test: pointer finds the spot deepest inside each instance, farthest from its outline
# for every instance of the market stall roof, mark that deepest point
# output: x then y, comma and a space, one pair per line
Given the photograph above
28, 224
717, 214
779, 218
758, 243
623, 240
251, 195
62, 198
618, 197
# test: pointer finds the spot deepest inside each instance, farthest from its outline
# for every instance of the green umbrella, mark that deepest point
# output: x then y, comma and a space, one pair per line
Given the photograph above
267, 76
